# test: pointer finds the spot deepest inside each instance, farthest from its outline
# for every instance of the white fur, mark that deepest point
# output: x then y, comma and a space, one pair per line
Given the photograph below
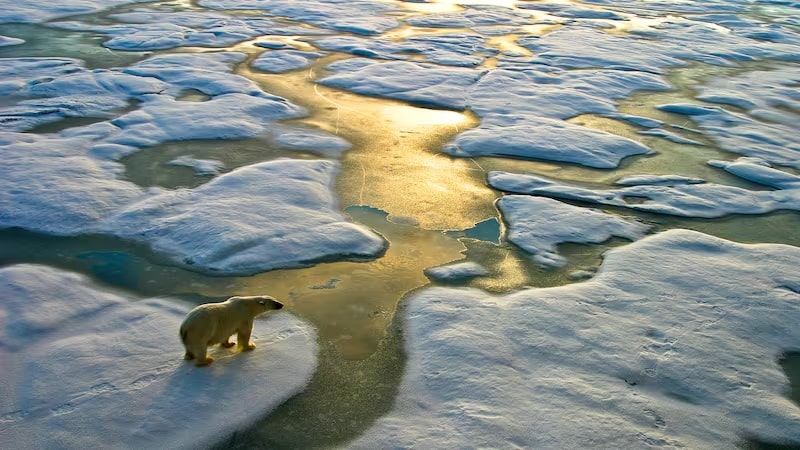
214, 323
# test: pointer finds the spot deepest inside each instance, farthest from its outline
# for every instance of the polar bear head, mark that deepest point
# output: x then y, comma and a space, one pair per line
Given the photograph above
257, 304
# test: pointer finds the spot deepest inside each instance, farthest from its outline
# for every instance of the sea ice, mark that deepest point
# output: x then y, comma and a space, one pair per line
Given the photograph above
456, 272
425, 84
271, 215
547, 139
280, 61
688, 200
742, 134
49, 184
359, 16
85, 367
539, 224
673, 343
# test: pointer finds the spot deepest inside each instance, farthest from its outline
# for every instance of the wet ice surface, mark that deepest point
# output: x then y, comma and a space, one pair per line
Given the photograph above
665, 346
675, 325
89, 367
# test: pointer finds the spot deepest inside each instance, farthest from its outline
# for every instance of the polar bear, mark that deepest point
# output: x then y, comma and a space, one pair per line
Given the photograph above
214, 323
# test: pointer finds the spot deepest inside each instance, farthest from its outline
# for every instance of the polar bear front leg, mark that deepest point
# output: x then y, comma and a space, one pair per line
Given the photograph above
243, 336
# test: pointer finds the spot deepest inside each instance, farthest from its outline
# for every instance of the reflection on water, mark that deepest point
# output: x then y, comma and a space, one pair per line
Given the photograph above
352, 303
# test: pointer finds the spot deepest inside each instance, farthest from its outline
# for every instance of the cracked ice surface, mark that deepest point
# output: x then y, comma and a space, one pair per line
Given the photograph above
673, 324
79, 357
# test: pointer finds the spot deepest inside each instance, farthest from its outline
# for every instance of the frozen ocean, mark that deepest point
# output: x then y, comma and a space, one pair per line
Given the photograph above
528, 224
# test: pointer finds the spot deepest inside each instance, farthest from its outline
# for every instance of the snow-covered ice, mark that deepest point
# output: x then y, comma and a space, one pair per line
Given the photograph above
674, 343
708, 200
85, 367
547, 139
456, 272
280, 61
539, 224
265, 216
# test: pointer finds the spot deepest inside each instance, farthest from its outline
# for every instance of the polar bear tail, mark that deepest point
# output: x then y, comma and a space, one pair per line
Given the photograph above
184, 333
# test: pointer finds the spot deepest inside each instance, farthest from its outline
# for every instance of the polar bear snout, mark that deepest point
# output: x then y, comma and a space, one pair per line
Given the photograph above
267, 302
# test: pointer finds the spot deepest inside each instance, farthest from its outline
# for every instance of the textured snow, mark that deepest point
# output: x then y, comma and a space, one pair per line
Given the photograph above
419, 83
159, 30
84, 367
674, 343
539, 225
35, 11
547, 139
759, 171
359, 17
708, 200
531, 100
265, 216
70, 183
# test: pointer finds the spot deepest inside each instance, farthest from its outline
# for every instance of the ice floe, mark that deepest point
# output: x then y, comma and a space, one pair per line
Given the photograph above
546, 139
248, 220
539, 225
280, 61
673, 343
457, 49
520, 122
708, 200
359, 17
742, 134
419, 83
85, 367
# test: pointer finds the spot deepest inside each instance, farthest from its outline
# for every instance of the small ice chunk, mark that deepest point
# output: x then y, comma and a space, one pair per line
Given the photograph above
200, 166
280, 61
657, 180
6, 41
676, 138
456, 272
759, 171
